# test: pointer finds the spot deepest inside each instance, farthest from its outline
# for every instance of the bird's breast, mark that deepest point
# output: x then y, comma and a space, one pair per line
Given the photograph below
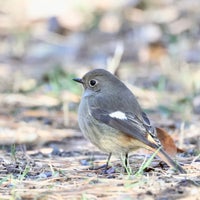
101, 135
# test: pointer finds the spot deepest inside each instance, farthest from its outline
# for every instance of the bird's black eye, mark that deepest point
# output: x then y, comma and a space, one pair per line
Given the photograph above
92, 82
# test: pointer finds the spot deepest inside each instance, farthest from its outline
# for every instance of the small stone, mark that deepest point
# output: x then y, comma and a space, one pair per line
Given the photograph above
84, 162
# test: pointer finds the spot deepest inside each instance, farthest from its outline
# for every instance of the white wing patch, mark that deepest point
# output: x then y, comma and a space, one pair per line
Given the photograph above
118, 115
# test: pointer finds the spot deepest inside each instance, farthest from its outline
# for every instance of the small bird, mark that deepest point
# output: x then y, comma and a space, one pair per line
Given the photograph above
111, 118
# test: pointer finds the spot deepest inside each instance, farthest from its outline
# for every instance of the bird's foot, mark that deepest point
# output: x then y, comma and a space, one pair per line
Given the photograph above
109, 170
98, 167
105, 169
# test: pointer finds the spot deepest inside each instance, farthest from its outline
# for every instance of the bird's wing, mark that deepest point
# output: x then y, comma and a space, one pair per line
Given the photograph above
127, 123
149, 128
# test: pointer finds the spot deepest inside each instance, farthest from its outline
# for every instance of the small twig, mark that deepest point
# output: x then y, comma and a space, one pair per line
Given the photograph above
66, 113
113, 63
198, 156
181, 140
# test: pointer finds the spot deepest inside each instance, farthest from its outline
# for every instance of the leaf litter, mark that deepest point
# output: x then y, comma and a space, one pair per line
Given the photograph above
43, 154
45, 160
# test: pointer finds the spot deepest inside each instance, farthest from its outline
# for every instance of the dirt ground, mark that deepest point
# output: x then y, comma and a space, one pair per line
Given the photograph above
152, 46
45, 159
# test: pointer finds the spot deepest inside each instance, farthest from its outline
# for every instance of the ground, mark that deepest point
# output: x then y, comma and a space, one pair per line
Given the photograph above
152, 46
55, 162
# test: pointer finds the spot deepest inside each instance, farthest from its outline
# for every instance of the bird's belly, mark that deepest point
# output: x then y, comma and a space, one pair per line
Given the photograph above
106, 138
97, 135
103, 136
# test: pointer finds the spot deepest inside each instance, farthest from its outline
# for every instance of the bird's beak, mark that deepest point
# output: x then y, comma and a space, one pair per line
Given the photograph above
79, 80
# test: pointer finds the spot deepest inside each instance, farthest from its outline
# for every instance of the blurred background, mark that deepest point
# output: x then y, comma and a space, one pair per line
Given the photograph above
152, 45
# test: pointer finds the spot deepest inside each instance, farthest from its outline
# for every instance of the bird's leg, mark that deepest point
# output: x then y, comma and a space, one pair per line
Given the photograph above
108, 170
108, 160
126, 163
105, 166
126, 160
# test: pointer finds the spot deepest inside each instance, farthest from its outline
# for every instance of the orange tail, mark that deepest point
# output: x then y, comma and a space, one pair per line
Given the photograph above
167, 142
